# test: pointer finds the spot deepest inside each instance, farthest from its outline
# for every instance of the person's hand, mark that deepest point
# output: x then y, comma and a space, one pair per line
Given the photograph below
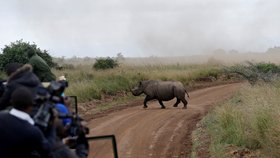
82, 140
84, 127
71, 142
55, 118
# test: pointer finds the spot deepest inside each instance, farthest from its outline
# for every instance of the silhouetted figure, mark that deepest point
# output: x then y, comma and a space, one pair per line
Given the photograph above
18, 75
40, 66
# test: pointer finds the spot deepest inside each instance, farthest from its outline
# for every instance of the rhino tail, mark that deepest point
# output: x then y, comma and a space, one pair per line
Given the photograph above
187, 93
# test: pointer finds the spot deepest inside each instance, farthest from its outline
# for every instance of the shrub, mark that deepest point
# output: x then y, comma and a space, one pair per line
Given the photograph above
105, 63
255, 72
268, 67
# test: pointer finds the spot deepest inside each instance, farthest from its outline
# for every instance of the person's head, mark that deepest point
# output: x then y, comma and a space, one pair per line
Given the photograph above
22, 99
12, 67
30, 51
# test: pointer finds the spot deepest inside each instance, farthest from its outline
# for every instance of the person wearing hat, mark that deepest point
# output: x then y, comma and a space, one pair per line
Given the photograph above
18, 75
40, 66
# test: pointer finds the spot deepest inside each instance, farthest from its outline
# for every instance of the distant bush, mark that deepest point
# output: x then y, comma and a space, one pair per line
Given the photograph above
268, 67
105, 63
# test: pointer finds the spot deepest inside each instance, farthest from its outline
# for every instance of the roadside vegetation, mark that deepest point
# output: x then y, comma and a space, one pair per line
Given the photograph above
88, 83
255, 73
249, 123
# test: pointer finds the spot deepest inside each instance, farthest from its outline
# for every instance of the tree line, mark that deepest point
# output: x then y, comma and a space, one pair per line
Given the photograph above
16, 52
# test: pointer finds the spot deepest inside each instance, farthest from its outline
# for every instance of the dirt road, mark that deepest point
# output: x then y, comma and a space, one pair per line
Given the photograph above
155, 132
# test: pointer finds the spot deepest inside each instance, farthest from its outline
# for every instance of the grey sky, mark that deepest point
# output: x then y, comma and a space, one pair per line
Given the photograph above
136, 28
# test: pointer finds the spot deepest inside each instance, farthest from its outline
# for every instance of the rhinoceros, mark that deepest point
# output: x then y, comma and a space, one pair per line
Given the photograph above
161, 91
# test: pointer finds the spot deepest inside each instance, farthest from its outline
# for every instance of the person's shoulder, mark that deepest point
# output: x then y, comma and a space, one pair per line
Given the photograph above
4, 114
34, 131
7, 119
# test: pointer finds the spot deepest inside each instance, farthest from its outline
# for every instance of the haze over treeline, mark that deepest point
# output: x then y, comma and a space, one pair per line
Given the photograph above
141, 28
215, 58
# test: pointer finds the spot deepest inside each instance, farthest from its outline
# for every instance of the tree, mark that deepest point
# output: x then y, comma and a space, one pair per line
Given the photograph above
15, 52
273, 50
120, 56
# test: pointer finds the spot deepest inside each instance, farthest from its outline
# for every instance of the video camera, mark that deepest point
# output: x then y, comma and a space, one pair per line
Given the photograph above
46, 100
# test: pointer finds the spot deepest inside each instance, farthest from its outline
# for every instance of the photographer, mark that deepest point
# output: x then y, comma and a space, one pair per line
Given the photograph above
18, 135
18, 75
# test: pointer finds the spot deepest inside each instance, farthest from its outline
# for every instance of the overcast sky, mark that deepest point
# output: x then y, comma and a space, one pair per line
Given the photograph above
138, 28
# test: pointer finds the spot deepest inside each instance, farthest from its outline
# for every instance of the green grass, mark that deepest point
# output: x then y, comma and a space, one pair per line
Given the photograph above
251, 119
88, 84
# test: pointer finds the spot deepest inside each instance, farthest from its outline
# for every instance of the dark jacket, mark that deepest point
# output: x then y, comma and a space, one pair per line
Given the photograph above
2, 88
22, 77
41, 68
18, 138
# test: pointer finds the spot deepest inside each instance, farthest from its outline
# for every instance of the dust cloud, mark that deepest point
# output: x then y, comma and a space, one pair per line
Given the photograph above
201, 27
146, 28
209, 59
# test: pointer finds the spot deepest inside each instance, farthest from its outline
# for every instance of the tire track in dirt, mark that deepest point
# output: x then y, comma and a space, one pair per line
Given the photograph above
155, 132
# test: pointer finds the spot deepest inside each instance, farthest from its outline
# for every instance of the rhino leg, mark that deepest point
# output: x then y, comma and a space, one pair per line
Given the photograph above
161, 103
185, 103
147, 98
177, 102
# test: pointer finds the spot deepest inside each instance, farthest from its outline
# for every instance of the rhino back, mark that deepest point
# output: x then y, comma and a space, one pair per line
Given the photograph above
149, 87
170, 89
147, 83
165, 91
